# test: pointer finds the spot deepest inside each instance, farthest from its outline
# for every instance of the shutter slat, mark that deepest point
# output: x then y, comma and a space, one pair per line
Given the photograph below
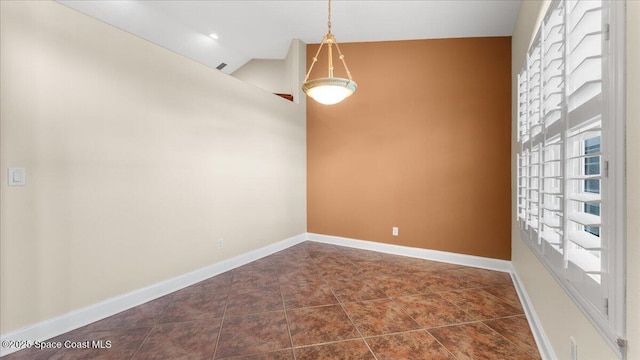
585, 219
586, 197
585, 261
585, 240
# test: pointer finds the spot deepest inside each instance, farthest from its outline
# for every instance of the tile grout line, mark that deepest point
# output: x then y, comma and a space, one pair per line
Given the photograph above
457, 307
406, 312
327, 343
345, 312
353, 322
452, 325
433, 327
441, 344
224, 313
358, 330
426, 329
173, 296
511, 342
286, 319
499, 298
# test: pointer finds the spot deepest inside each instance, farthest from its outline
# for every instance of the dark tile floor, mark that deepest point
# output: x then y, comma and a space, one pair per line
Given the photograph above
318, 301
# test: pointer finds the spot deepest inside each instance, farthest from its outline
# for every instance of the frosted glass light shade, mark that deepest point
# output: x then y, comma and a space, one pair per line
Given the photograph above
329, 91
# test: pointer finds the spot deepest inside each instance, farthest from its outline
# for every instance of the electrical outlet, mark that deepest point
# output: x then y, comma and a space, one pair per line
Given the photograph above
220, 243
574, 348
394, 231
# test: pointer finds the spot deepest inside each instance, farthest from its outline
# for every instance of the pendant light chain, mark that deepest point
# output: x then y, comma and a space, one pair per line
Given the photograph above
329, 18
330, 39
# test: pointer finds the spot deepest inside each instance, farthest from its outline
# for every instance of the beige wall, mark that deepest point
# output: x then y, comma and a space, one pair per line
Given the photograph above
278, 76
423, 145
267, 74
137, 161
558, 314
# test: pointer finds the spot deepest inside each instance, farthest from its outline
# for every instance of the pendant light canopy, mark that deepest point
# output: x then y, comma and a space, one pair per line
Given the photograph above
329, 90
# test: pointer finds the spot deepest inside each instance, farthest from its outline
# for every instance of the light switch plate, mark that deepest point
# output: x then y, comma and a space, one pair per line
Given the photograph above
17, 177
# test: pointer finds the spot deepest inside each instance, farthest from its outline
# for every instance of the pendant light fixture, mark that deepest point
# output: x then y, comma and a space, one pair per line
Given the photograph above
329, 90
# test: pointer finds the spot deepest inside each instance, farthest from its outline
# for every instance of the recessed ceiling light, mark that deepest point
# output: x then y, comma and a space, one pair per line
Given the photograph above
213, 36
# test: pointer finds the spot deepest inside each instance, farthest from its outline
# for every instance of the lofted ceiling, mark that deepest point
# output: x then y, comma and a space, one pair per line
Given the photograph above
262, 29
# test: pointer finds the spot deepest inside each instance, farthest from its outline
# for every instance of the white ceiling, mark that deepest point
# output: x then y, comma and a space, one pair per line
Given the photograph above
263, 29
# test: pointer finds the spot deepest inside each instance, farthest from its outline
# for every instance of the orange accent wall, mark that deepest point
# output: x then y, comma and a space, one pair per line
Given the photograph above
423, 145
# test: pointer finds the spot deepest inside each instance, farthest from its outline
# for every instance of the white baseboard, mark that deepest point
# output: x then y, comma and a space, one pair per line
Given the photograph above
442, 256
75, 319
544, 346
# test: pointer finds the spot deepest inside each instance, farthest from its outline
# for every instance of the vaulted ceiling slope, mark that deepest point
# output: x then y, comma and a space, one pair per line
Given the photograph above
263, 29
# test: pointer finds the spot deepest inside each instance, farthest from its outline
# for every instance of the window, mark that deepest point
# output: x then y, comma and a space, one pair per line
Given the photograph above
592, 186
569, 182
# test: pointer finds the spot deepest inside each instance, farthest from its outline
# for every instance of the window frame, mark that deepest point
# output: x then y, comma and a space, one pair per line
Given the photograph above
611, 325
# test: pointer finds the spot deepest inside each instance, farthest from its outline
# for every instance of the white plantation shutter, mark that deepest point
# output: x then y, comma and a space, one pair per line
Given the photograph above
565, 130
533, 197
552, 200
553, 50
585, 110
523, 180
534, 83
552, 37
584, 53
523, 106
523, 157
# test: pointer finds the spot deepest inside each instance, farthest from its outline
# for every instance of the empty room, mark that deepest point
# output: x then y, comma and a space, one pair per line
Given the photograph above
320, 179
